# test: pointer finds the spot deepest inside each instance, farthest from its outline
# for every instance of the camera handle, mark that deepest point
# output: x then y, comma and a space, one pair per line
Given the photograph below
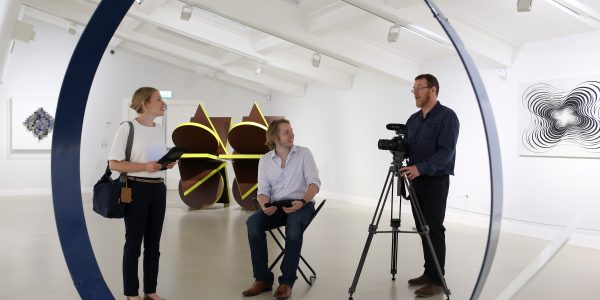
422, 227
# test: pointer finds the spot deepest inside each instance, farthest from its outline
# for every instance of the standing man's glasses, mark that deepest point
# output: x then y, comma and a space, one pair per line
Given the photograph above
416, 89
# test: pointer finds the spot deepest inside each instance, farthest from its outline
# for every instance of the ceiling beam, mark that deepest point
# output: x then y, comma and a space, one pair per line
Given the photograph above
483, 44
328, 75
264, 43
283, 85
214, 35
197, 69
157, 55
288, 25
402, 3
579, 11
274, 83
235, 80
149, 6
229, 59
334, 17
168, 49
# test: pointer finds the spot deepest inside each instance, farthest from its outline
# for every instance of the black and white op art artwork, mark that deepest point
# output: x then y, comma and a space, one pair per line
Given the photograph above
561, 122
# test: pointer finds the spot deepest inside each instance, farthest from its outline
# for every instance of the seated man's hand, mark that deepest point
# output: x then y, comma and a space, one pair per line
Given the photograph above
268, 210
296, 205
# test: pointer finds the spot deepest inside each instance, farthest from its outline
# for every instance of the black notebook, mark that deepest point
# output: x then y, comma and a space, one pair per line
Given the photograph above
173, 155
280, 203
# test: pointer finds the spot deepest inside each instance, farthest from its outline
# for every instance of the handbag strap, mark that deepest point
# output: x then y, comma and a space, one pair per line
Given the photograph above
129, 141
123, 176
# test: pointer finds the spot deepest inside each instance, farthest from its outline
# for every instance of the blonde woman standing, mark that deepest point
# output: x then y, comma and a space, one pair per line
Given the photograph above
145, 214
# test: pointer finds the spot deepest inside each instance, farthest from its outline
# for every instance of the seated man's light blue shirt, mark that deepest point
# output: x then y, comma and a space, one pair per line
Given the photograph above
291, 181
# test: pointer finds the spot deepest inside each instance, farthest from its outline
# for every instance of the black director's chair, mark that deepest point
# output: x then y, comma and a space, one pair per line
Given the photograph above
313, 276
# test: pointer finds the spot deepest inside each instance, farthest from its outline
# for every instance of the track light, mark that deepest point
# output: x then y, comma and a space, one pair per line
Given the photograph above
394, 33
316, 60
72, 29
258, 69
186, 12
524, 5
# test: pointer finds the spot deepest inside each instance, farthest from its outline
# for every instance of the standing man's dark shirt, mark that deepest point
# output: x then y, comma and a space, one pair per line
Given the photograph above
431, 141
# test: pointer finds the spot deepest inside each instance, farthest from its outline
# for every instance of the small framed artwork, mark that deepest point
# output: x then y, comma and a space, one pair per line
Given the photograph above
31, 123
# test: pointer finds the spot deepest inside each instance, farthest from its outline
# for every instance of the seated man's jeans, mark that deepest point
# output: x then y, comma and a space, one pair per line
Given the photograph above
294, 224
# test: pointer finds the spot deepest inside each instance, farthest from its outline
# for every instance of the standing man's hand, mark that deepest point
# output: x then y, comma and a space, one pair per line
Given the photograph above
411, 172
296, 205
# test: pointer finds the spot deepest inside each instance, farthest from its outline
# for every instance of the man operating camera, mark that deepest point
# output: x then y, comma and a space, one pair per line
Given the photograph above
430, 140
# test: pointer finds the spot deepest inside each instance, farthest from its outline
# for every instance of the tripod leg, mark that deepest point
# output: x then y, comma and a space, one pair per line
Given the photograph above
372, 229
394, 264
361, 262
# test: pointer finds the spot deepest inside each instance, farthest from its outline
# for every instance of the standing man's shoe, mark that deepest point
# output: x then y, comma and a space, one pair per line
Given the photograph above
283, 292
257, 288
421, 280
429, 290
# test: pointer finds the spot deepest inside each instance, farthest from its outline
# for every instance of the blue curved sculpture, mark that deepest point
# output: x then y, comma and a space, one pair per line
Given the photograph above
493, 148
66, 186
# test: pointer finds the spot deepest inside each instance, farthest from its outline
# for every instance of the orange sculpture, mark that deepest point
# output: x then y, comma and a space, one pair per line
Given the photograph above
203, 174
203, 169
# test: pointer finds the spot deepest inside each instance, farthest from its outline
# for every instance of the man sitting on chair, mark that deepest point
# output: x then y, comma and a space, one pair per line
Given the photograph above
287, 172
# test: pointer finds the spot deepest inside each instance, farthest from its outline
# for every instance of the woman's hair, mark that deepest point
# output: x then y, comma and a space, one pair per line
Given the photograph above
273, 131
141, 96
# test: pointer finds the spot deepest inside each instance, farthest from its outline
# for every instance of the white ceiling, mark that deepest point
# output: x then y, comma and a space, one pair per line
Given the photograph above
227, 39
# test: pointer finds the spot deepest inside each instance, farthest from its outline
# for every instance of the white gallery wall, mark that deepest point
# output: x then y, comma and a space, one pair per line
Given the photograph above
547, 191
37, 69
542, 195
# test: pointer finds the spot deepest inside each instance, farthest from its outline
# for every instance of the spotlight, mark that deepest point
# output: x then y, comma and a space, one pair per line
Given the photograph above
258, 69
524, 5
139, 2
393, 34
186, 12
316, 60
72, 29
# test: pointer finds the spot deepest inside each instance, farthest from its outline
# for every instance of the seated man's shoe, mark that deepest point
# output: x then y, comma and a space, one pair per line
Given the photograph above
283, 292
429, 290
421, 280
257, 288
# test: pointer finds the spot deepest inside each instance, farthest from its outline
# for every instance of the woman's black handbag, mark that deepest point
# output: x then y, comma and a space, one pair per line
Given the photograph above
107, 191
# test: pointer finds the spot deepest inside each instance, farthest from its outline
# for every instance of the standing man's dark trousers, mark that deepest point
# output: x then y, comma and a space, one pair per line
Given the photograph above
143, 222
294, 223
432, 192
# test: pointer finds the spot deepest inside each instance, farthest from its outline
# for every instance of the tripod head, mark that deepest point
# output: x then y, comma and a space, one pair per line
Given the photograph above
398, 158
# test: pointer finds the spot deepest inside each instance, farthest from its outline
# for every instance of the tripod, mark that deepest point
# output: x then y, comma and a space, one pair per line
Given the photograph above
422, 227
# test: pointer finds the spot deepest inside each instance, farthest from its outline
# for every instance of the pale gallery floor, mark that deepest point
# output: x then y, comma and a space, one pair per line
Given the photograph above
205, 256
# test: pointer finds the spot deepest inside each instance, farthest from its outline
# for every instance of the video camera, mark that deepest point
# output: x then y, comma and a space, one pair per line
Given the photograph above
397, 142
